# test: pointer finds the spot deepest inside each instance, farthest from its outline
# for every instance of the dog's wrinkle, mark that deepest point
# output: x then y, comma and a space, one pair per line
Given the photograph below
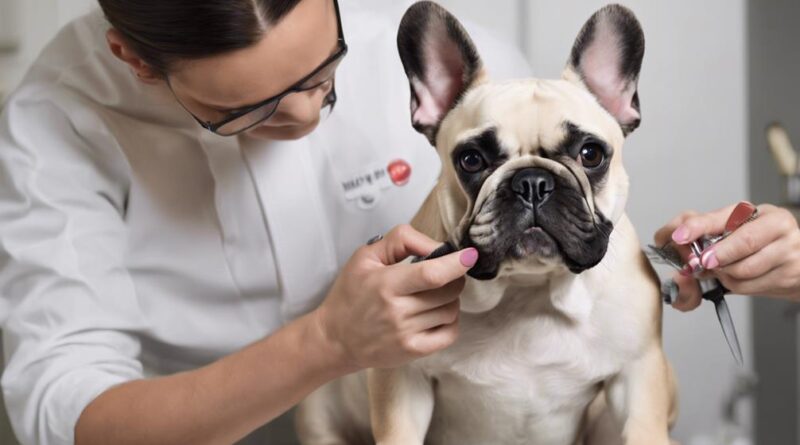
460, 235
580, 183
572, 205
484, 217
581, 233
580, 250
579, 220
483, 238
574, 199
485, 214
584, 236
487, 266
585, 226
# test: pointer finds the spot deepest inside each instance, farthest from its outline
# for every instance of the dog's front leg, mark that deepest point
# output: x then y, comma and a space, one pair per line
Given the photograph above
642, 397
400, 405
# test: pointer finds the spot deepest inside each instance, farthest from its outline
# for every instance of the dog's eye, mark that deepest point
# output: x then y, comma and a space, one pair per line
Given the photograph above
472, 161
592, 155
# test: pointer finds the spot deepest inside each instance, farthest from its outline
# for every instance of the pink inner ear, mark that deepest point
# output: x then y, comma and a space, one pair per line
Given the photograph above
600, 67
443, 80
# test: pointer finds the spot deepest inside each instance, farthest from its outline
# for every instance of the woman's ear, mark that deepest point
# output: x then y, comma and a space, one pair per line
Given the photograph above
123, 51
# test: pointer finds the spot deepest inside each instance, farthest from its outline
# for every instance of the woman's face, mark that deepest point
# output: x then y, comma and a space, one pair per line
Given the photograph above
211, 88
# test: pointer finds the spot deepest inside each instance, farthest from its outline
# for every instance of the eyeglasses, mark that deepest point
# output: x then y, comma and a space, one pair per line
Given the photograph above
248, 117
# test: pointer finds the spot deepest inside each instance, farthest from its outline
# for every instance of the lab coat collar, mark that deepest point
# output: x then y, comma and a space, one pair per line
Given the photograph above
288, 191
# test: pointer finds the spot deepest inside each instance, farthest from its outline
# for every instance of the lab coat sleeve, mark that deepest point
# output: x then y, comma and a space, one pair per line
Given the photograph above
67, 304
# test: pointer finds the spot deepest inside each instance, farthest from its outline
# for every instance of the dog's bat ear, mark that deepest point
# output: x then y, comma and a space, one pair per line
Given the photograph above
441, 63
606, 59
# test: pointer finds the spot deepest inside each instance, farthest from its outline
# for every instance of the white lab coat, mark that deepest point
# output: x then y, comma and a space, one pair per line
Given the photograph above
134, 243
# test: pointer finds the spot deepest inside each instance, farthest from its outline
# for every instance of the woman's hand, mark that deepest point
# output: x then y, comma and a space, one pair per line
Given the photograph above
382, 313
761, 258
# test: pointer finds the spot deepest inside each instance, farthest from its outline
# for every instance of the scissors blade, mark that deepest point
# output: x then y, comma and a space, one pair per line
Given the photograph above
729, 330
665, 255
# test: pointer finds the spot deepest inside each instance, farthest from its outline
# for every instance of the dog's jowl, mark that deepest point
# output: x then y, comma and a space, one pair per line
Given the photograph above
560, 331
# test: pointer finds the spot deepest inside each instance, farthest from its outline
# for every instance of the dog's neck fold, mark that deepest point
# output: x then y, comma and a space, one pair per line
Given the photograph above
567, 292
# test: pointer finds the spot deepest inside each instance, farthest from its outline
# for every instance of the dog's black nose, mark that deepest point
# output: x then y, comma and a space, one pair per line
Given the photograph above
534, 185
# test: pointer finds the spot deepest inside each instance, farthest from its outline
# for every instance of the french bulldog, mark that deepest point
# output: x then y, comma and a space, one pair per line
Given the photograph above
560, 326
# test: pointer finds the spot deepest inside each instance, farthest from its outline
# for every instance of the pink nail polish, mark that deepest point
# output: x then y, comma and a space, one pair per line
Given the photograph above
469, 257
686, 271
694, 263
709, 259
681, 235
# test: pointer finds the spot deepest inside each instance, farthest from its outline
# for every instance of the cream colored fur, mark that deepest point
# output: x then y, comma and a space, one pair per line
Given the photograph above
535, 349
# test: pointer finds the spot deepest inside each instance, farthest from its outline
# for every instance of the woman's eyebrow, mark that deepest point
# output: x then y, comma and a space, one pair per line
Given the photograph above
230, 109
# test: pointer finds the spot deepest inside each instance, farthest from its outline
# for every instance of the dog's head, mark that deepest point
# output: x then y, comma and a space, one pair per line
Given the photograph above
532, 174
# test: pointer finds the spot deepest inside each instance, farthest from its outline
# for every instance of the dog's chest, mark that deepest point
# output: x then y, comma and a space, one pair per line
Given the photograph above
522, 371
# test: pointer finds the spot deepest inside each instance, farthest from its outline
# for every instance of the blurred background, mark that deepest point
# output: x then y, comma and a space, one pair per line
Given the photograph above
715, 74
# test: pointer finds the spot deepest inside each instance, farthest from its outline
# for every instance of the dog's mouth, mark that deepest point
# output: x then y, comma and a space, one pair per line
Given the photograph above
533, 244
534, 241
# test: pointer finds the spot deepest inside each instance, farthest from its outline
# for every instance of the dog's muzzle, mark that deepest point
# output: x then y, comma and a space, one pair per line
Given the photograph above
536, 216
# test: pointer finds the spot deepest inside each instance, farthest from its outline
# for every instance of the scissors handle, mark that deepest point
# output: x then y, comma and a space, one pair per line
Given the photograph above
444, 249
713, 290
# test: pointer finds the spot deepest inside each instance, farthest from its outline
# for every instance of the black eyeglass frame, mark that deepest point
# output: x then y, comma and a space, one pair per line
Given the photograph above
295, 88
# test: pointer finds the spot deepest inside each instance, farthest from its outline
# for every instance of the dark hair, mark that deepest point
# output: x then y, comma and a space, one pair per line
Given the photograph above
165, 31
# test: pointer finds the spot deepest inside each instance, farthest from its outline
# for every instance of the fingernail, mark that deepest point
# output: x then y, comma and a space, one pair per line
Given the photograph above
686, 271
694, 263
681, 235
469, 257
709, 259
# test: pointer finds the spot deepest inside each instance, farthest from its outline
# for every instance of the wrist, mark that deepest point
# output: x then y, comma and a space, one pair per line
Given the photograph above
329, 350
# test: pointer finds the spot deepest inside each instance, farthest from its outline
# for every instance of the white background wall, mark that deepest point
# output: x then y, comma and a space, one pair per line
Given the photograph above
33, 22
689, 152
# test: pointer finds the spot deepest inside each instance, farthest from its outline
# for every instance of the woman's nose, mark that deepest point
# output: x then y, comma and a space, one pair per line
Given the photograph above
302, 107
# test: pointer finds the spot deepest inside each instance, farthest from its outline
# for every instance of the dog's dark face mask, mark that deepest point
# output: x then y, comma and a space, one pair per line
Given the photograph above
532, 175
537, 207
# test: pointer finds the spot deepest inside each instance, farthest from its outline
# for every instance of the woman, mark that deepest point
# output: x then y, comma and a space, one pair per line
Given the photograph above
161, 279
761, 258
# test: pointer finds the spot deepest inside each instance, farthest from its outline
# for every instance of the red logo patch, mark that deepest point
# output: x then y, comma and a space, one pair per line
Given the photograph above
399, 171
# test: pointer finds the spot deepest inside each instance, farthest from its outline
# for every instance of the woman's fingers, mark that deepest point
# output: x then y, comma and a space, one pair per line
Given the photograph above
436, 339
750, 239
782, 281
432, 274
434, 298
756, 264
433, 318
689, 295
663, 236
400, 243
695, 226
